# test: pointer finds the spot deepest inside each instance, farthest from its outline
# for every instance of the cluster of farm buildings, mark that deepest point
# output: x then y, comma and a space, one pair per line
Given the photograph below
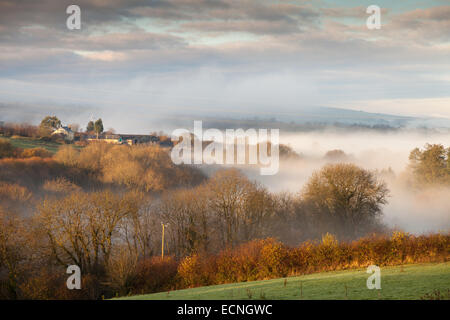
129, 139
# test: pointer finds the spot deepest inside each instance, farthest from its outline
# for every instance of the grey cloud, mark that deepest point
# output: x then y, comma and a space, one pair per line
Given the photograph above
232, 15
421, 25
255, 27
348, 12
125, 41
330, 62
41, 24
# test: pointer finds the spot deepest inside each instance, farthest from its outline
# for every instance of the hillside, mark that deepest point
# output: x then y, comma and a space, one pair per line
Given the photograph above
28, 143
409, 282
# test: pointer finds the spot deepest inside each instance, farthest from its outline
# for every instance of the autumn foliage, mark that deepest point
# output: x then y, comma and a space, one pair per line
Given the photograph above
268, 258
100, 207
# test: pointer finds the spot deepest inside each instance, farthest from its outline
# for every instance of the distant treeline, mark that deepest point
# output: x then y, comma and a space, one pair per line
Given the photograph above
292, 126
18, 129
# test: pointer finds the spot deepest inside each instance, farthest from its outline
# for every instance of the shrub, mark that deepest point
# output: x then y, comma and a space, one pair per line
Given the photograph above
239, 264
265, 259
273, 258
14, 197
7, 150
60, 185
67, 155
35, 152
14, 192
154, 274
327, 252
190, 271
50, 284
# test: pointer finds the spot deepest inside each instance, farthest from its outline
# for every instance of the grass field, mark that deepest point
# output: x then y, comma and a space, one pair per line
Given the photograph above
28, 143
407, 282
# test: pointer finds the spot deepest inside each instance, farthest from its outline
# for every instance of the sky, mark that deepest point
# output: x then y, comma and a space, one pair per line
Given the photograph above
134, 61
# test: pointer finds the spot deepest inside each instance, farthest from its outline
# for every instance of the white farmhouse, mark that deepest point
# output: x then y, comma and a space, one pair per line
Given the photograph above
66, 132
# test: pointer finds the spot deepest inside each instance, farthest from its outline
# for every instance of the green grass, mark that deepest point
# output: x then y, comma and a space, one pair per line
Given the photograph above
407, 282
28, 143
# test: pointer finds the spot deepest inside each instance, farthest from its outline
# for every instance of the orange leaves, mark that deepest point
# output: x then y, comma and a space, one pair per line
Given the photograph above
268, 258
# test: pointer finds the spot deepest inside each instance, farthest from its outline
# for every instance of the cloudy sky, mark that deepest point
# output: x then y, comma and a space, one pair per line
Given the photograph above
136, 60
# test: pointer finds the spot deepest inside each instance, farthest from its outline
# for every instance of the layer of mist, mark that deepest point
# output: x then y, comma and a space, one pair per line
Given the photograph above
412, 210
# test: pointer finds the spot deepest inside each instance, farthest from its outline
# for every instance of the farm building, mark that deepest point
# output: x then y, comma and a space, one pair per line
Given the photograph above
130, 139
66, 132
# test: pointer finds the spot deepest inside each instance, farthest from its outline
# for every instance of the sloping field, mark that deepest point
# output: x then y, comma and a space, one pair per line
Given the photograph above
28, 143
407, 282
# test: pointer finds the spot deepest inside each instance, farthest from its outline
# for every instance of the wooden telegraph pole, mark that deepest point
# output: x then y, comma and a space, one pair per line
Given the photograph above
162, 240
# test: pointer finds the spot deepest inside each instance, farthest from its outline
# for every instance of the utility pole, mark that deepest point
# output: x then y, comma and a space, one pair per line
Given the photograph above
162, 240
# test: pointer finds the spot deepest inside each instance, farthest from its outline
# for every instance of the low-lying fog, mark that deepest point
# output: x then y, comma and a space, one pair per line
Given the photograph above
415, 211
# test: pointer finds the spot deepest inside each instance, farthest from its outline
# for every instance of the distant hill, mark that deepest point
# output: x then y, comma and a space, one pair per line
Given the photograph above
313, 118
344, 116
146, 120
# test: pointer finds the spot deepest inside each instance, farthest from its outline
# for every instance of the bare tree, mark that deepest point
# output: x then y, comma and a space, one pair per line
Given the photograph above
228, 192
345, 199
83, 228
